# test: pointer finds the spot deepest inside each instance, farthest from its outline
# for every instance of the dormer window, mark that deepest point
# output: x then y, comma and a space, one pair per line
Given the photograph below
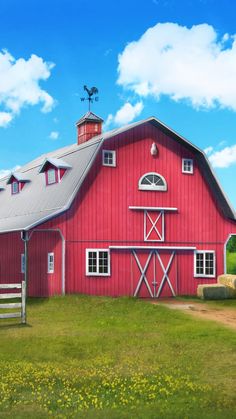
17, 182
14, 187
51, 176
54, 170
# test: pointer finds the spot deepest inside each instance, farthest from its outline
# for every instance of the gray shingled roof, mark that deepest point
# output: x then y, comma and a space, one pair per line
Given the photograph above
38, 203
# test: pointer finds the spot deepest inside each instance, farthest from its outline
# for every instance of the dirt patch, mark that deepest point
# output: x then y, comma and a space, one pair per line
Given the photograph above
225, 316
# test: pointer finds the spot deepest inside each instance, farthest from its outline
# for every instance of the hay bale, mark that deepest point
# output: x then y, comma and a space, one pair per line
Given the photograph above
215, 292
228, 280
211, 291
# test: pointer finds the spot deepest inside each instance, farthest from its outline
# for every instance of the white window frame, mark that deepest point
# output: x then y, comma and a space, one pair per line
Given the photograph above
113, 154
17, 190
52, 170
97, 273
189, 162
152, 187
22, 263
51, 264
204, 264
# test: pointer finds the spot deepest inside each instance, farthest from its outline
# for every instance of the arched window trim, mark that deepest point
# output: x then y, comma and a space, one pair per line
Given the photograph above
152, 187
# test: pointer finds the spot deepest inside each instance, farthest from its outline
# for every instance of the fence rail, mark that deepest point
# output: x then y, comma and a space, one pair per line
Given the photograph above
12, 295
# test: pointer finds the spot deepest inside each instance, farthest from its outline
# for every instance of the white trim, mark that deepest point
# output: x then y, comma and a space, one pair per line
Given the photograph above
189, 161
204, 267
152, 187
153, 247
154, 208
22, 263
97, 262
51, 264
113, 153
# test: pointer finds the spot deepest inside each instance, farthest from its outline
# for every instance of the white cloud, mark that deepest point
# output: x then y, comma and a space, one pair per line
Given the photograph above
208, 150
19, 85
223, 158
127, 113
6, 172
185, 64
5, 118
54, 135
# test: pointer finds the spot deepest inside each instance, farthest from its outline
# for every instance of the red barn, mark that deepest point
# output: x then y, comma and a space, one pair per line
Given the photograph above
135, 211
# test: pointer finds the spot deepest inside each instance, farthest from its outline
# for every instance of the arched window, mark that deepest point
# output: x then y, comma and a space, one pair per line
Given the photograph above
152, 182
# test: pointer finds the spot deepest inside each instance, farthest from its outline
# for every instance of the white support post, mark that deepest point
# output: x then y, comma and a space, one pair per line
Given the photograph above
25, 238
23, 303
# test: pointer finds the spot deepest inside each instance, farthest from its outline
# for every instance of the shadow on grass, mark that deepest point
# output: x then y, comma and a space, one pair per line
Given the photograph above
14, 326
36, 301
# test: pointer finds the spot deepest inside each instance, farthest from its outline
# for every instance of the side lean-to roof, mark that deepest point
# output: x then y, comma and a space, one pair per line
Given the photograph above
38, 203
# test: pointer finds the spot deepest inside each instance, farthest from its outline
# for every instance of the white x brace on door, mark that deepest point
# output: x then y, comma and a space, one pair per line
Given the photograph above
143, 270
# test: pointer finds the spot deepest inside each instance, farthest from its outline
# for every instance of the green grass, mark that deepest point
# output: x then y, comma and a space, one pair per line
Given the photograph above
231, 262
115, 358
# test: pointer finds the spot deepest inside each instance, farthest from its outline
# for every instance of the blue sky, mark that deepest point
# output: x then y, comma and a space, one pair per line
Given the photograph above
172, 59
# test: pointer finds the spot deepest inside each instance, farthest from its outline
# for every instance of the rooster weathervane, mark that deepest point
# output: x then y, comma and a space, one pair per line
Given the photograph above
90, 92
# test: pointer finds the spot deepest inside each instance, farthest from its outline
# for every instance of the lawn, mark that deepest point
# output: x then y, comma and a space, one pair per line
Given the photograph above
115, 358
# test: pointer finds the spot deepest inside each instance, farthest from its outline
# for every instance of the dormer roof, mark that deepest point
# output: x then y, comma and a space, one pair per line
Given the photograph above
58, 163
19, 177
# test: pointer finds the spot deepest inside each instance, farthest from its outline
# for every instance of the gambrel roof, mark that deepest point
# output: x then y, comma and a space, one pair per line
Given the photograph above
38, 203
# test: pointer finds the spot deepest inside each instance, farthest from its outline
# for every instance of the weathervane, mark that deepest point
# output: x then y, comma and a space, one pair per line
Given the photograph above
90, 92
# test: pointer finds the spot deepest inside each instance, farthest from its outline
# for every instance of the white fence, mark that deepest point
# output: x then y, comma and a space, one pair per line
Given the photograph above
14, 291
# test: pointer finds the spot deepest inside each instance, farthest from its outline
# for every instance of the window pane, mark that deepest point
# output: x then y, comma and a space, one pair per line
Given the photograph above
109, 158
205, 263
103, 262
199, 263
15, 187
92, 262
152, 180
50, 262
187, 165
51, 176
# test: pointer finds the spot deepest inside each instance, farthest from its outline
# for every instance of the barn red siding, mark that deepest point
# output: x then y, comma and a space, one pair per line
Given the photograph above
100, 217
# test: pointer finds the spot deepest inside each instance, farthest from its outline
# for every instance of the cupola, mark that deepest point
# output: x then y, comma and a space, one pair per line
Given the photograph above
88, 127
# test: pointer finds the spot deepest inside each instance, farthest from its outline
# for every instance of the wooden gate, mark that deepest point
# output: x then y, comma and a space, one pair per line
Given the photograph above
20, 294
155, 274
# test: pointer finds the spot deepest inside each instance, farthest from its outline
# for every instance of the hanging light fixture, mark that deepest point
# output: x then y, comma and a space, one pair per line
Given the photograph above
154, 149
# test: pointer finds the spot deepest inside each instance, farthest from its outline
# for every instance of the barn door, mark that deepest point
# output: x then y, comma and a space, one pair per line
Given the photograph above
154, 274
